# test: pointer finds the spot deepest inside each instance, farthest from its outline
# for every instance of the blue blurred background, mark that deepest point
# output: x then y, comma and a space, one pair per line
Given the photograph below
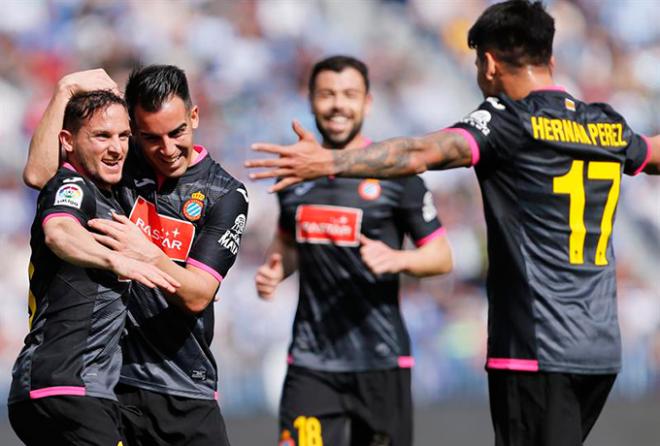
248, 63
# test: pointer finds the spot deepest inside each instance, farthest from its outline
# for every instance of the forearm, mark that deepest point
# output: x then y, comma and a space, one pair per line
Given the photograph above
287, 249
74, 244
196, 290
389, 158
404, 156
429, 260
44, 152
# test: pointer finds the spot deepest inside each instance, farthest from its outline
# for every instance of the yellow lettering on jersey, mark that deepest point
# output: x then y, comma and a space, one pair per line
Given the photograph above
603, 134
537, 128
608, 171
568, 130
571, 184
558, 129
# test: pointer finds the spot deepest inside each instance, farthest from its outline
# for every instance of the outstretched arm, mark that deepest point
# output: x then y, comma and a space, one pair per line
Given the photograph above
43, 156
306, 159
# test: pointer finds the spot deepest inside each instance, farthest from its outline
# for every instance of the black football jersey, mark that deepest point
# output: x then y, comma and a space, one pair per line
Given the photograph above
76, 314
348, 319
197, 219
550, 168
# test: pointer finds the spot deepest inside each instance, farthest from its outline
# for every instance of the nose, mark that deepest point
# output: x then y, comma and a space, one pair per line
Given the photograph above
168, 146
115, 145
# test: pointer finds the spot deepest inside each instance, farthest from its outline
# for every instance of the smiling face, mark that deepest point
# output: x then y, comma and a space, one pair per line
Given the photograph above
166, 136
339, 102
99, 147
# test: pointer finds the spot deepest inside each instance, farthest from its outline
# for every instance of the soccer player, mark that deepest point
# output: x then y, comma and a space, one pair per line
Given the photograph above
62, 390
549, 167
195, 212
348, 381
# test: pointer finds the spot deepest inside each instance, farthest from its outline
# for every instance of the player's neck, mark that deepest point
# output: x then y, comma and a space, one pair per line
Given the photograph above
519, 83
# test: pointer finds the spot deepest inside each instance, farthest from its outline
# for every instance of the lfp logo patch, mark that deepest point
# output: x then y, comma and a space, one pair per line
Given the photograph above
192, 209
69, 195
369, 189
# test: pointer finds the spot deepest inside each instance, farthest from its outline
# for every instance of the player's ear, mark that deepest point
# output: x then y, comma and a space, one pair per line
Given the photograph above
491, 65
194, 116
66, 141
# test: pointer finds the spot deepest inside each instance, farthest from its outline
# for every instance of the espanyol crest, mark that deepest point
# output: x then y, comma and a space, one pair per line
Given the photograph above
192, 209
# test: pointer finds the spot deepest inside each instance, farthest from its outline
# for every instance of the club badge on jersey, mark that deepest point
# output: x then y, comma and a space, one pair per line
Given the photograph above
69, 195
369, 189
192, 208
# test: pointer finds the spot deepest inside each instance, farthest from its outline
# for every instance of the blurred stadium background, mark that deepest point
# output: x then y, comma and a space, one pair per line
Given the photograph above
248, 63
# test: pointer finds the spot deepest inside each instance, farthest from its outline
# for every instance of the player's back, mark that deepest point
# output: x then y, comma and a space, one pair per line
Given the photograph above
550, 171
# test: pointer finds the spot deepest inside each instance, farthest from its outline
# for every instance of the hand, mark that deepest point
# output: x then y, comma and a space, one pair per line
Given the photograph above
123, 236
269, 275
380, 258
83, 81
304, 160
144, 273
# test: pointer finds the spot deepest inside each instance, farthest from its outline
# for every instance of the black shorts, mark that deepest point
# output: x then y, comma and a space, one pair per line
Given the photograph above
156, 419
67, 420
371, 408
545, 409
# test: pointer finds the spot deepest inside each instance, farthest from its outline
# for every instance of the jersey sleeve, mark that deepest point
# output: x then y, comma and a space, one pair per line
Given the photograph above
638, 153
493, 130
216, 246
68, 197
416, 213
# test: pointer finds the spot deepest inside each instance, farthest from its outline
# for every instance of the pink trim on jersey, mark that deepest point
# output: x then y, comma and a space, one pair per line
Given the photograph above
522, 365
58, 215
54, 391
289, 359
406, 362
204, 267
440, 232
215, 395
367, 142
474, 145
202, 154
69, 166
551, 88
648, 156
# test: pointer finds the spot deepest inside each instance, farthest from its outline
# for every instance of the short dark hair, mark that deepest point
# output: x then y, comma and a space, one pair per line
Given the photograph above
82, 106
151, 86
518, 32
338, 64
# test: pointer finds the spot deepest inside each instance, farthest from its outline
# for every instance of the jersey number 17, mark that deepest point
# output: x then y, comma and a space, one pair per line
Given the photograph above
572, 184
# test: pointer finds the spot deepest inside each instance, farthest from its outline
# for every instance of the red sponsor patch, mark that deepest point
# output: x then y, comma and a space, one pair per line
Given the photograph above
328, 225
172, 235
369, 189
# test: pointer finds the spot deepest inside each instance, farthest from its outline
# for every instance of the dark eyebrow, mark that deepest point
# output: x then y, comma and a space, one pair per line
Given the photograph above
170, 133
